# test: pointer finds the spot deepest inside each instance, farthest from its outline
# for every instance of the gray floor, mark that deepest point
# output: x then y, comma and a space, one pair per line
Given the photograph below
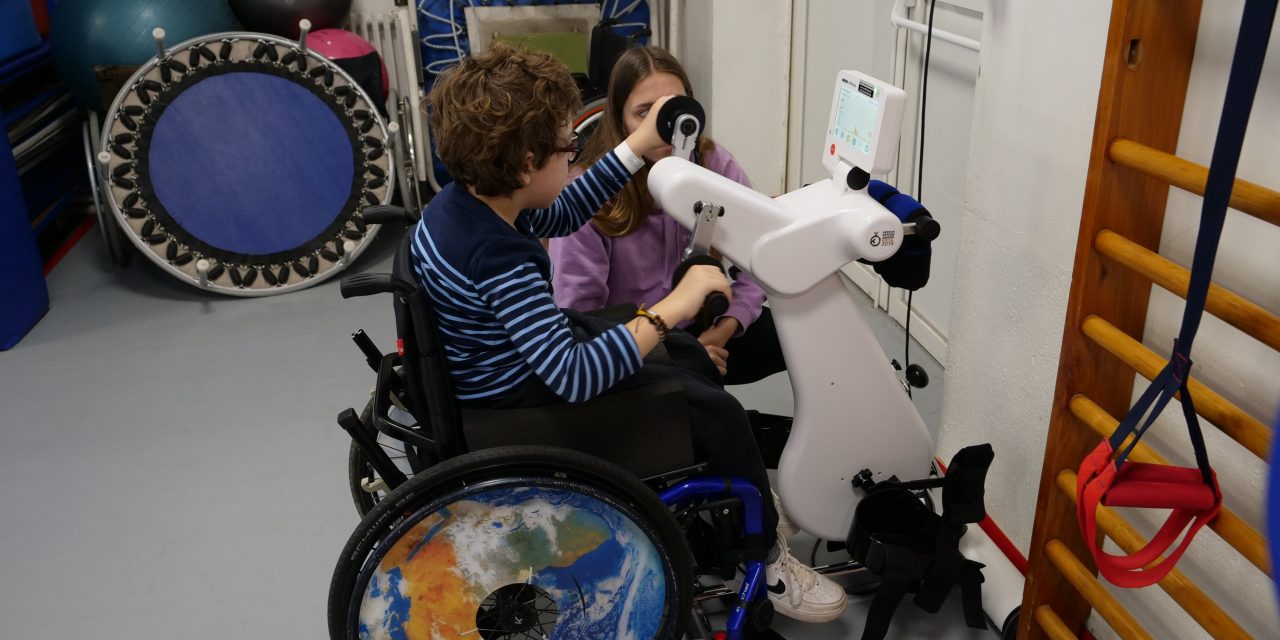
170, 466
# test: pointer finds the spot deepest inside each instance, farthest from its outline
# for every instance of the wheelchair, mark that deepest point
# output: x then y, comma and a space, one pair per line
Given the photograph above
586, 517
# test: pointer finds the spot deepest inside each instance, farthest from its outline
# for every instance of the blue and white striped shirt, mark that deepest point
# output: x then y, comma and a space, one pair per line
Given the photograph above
491, 287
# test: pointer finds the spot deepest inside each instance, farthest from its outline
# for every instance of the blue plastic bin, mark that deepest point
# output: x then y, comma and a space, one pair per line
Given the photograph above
17, 28
24, 298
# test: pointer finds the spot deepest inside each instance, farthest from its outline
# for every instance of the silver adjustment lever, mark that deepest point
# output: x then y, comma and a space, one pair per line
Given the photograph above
704, 228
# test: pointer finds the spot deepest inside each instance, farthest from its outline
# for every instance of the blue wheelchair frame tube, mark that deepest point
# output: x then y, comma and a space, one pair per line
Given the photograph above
753, 522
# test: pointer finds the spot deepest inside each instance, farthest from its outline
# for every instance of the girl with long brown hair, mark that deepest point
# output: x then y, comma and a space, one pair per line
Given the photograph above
631, 249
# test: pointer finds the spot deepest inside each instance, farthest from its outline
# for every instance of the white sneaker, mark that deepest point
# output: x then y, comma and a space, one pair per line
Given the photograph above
786, 528
799, 592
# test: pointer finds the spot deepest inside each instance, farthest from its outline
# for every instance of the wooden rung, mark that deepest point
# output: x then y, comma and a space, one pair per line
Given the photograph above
1053, 626
1234, 309
1099, 598
1229, 526
1238, 425
1192, 600
1257, 201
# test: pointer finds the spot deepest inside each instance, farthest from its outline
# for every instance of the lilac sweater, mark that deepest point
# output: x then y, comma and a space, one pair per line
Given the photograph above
592, 270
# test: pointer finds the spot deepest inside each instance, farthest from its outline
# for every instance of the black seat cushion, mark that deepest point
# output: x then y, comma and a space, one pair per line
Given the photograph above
643, 430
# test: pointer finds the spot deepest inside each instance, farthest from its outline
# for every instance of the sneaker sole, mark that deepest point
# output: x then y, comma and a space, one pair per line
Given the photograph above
785, 609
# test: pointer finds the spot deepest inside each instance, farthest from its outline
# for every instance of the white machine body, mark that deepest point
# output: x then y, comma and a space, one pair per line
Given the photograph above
851, 410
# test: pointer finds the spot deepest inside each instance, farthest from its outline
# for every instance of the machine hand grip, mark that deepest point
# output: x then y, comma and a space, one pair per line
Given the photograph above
927, 228
716, 303
674, 108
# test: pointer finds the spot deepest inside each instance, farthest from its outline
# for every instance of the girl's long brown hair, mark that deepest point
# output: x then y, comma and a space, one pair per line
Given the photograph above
631, 207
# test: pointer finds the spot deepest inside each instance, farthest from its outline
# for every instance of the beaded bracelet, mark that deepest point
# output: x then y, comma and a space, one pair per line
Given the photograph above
655, 320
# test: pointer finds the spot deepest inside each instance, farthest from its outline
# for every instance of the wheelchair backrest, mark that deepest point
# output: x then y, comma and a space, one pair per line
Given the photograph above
426, 375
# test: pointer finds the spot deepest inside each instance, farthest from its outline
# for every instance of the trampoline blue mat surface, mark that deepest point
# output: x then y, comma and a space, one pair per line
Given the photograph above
251, 163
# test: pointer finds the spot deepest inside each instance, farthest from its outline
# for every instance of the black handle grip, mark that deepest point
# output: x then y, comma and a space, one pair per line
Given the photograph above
673, 109
366, 284
927, 228
387, 214
716, 303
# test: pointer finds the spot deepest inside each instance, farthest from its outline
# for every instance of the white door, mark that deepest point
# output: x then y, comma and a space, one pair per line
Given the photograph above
840, 35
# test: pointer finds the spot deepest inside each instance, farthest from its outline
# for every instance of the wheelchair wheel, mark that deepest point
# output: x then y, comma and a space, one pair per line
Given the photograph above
590, 117
366, 490
514, 542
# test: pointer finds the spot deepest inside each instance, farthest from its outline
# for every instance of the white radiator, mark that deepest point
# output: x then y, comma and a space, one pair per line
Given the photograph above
392, 27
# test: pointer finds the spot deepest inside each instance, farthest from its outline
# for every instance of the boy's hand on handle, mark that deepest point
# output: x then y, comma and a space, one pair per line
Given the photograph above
687, 299
645, 138
700, 281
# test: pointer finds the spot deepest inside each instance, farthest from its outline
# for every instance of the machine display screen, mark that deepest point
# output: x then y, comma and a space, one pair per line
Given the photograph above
863, 127
856, 112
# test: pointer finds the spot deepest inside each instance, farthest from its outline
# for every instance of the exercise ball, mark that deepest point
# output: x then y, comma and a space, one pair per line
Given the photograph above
86, 33
356, 56
281, 16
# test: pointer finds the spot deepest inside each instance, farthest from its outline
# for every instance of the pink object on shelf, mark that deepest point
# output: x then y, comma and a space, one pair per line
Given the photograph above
337, 44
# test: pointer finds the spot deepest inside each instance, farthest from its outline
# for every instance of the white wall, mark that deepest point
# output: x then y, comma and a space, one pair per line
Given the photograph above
1041, 66
833, 35
1029, 155
738, 55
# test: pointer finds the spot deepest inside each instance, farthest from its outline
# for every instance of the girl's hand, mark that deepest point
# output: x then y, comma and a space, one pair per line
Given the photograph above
645, 139
719, 357
719, 334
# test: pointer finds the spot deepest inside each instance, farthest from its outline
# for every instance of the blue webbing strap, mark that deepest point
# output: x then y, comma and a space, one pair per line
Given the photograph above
1242, 86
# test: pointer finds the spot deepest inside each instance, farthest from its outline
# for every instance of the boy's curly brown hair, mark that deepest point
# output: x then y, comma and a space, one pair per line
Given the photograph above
491, 109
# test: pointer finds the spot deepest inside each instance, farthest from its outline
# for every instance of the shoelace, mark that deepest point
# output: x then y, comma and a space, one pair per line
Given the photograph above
795, 571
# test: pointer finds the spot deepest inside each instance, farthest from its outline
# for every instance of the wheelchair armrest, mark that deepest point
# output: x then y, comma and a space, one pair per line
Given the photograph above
359, 285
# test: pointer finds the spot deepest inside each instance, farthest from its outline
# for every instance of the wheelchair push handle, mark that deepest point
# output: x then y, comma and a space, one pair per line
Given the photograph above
366, 284
389, 214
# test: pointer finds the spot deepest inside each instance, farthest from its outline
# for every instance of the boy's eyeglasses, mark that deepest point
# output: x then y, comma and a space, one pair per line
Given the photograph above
574, 147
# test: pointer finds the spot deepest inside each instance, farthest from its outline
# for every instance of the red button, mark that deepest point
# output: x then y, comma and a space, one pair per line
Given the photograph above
833, 149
